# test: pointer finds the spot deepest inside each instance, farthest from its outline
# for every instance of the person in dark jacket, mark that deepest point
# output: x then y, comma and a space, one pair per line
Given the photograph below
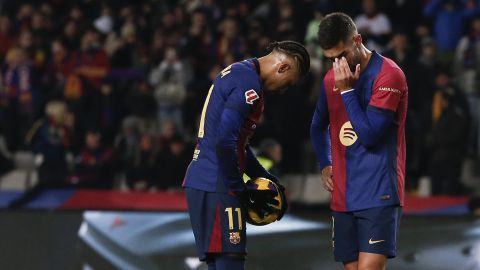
140, 170
49, 141
447, 138
94, 164
172, 163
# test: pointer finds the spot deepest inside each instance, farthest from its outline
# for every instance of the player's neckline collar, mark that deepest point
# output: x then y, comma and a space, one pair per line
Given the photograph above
256, 65
371, 60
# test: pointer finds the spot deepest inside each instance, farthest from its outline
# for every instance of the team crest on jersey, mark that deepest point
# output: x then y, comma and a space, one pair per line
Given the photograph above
347, 134
235, 238
251, 96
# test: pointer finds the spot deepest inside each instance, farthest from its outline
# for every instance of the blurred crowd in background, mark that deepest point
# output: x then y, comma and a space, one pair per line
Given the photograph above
98, 89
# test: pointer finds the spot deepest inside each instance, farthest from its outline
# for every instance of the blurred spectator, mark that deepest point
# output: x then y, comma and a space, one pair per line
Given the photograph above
422, 35
449, 18
7, 36
141, 104
91, 61
467, 75
168, 130
320, 10
19, 100
399, 51
270, 156
125, 54
24, 16
84, 71
200, 46
126, 143
41, 35
285, 28
229, 41
25, 41
172, 163
169, 82
93, 165
49, 140
374, 26
76, 14
447, 139
422, 78
311, 41
140, 170
71, 36
90, 67
104, 110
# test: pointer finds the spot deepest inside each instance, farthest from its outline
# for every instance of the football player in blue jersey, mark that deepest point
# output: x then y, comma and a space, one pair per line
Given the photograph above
216, 193
358, 134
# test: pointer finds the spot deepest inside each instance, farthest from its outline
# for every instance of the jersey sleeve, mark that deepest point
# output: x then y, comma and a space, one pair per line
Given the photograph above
231, 122
244, 94
319, 131
369, 125
388, 90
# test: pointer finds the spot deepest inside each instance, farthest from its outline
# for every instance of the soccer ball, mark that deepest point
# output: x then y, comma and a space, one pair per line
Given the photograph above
268, 217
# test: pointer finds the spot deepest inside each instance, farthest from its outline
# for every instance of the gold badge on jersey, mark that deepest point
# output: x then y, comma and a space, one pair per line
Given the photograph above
235, 238
347, 134
196, 153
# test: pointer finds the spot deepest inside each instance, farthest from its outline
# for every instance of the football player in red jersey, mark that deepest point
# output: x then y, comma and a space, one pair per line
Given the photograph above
358, 134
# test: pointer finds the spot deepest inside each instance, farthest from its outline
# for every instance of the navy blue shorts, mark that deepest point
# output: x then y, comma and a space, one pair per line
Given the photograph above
371, 230
218, 222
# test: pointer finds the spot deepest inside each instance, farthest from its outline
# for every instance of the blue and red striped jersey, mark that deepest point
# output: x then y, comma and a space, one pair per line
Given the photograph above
361, 133
229, 117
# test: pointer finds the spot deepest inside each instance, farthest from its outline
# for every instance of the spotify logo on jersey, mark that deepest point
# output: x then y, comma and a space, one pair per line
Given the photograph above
347, 134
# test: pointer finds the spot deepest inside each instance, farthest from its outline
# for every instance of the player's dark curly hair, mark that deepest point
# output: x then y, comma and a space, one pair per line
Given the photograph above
296, 50
335, 27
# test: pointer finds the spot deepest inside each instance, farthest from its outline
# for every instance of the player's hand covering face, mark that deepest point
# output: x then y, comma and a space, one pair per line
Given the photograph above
344, 78
346, 49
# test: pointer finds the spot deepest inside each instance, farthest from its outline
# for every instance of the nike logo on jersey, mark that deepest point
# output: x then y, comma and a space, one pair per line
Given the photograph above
371, 242
251, 96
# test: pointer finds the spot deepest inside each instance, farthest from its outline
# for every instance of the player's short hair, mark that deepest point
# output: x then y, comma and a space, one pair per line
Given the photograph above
334, 28
295, 50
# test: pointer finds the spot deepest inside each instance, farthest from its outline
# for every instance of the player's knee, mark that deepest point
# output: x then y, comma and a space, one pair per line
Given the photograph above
371, 261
